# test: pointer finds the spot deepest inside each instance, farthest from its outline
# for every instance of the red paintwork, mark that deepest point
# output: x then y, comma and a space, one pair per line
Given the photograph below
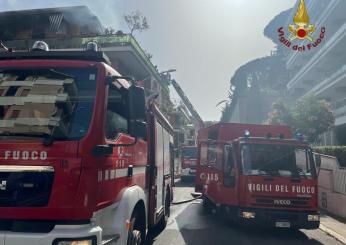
153, 116
209, 180
188, 162
77, 189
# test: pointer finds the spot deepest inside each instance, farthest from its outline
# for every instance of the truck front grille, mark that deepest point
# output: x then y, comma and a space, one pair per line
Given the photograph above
282, 202
22, 186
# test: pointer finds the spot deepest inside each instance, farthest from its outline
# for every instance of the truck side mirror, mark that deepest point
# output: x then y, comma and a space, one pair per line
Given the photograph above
137, 110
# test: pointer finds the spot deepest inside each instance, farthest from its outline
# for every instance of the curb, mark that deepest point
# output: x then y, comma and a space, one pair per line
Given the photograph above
333, 234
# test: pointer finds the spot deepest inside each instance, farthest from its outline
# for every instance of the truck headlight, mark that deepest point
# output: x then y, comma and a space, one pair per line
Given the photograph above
313, 217
75, 241
248, 215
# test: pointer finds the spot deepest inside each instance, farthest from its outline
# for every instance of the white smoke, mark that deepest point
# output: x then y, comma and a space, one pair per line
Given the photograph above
11, 2
106, 10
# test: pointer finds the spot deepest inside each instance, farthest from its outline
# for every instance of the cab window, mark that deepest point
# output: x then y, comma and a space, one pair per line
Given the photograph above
215, 156
117, 113
228, 159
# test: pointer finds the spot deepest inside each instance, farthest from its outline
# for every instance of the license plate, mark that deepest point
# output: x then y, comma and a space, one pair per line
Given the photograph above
283, 224
192, 171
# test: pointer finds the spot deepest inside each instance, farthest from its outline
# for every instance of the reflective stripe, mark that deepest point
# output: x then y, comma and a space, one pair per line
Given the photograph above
9, 168
122, 172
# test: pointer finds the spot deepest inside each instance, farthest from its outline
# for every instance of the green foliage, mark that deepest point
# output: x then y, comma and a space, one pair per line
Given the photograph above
280, 114
313, 117
337, 151
310, 116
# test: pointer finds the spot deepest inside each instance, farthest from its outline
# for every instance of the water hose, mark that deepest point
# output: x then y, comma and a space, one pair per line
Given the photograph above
198, 196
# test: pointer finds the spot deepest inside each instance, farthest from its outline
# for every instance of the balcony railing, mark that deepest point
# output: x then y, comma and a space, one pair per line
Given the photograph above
78, 42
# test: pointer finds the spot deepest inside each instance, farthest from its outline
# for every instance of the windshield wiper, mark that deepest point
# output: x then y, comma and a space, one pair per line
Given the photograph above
300, 173
273, 173
47, 138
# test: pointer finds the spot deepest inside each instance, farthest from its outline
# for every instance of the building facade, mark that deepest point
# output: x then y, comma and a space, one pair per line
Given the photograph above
71, 28
320, 72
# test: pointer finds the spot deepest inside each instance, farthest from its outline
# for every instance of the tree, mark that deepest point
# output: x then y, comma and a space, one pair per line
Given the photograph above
259, 76
280, 114
109, 31
313, 117
310, 116
136, 21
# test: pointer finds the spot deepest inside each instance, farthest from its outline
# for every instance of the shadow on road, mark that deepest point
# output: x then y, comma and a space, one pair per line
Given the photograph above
197, 227
191, 225
152, 234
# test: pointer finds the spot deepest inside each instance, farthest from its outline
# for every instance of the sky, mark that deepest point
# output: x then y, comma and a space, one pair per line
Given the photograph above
204, 40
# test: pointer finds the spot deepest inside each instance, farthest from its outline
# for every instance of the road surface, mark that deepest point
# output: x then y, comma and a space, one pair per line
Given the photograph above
189, 225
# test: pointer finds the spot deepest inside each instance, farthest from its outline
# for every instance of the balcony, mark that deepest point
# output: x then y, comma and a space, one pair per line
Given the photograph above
329, 85
325, 58
120, 48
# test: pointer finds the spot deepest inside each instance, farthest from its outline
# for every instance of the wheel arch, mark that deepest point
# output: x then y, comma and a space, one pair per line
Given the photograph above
133, 200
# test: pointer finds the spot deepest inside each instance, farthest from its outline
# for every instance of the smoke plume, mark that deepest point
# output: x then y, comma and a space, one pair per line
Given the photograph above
106, 10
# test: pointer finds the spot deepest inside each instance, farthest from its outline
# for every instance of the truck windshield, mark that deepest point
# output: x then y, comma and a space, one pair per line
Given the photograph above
190, 152
47, 101
277, 160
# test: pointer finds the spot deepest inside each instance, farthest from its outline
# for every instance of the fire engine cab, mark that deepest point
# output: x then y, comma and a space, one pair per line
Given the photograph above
84, 158
257, 175
188, 162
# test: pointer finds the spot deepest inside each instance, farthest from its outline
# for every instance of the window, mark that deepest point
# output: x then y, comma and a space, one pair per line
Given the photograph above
228, 159
25, 92
39, 110
15, 114
276, 160
203, 159
214, 156
117, 113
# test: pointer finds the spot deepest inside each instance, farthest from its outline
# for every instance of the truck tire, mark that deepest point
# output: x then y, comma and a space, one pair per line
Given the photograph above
167, 212
207, 205
135, 233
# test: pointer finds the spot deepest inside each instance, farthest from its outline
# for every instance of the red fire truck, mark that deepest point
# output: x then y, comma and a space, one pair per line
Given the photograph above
188, 162
84, 159
257, 175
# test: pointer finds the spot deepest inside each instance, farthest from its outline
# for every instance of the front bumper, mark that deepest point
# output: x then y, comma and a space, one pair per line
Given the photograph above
60, 231
276, 218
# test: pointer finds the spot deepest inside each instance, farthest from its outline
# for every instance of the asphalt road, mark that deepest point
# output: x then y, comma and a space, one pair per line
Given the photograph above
188, 224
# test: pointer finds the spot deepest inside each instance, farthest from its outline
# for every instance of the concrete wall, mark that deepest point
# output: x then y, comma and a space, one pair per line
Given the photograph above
332, 187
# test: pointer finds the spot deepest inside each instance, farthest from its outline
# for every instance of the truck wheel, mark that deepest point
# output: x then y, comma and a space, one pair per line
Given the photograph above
135, 234
167, 212
207, 205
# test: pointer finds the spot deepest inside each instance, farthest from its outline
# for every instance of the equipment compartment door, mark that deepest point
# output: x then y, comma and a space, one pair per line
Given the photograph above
159, 159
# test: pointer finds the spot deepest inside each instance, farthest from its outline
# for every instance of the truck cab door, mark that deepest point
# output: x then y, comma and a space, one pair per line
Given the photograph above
229, 174
209, 169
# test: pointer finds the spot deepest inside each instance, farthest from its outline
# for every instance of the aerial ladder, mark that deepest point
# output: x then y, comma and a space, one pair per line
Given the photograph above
197, 120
